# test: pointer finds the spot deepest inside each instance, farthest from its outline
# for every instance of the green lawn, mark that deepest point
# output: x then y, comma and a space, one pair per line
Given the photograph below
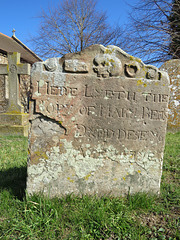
135, 217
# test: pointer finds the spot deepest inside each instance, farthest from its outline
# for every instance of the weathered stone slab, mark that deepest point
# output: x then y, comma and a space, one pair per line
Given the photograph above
98, 124
172, 67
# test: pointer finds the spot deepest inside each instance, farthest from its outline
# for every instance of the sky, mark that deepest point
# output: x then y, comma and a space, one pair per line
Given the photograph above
22, 15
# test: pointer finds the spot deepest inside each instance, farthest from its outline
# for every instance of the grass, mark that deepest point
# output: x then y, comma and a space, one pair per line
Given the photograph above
140, 216
13, 164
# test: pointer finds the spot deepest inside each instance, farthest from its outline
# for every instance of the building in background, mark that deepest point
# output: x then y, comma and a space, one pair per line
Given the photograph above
9, 45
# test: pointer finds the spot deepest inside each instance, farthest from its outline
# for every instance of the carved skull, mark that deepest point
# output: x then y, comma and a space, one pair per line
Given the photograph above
107, 65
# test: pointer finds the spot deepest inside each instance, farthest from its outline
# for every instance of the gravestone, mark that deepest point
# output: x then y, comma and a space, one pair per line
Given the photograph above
97, 125
14, 121
172, 67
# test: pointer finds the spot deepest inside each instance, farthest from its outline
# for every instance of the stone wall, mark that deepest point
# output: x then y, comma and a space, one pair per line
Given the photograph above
25, 91
3, 100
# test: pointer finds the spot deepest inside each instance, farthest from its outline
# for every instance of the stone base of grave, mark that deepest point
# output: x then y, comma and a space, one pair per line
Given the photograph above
15, 124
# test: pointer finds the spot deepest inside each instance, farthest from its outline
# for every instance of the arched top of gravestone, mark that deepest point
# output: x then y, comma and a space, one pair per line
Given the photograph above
110, 61
103, 62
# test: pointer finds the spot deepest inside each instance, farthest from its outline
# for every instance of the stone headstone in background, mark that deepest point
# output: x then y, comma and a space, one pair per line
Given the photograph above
14, 121
172, 67
98, 124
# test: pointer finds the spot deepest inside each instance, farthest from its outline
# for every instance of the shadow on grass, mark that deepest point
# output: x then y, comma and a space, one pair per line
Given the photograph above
14, 180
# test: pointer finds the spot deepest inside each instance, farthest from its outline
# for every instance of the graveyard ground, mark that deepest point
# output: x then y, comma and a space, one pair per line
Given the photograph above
135, 217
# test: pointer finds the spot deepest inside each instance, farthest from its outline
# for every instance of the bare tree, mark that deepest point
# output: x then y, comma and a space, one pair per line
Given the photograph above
174, 22
154, 29
72, 26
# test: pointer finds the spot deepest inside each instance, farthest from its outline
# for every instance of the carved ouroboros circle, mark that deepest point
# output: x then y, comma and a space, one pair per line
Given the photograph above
132, 69
13, 68
151, 74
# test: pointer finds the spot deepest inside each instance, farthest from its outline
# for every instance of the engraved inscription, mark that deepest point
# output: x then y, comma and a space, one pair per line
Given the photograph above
107, 111
91, 92
55, 90
111, 111
158, 98
83, 131
154, 114
116, 103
